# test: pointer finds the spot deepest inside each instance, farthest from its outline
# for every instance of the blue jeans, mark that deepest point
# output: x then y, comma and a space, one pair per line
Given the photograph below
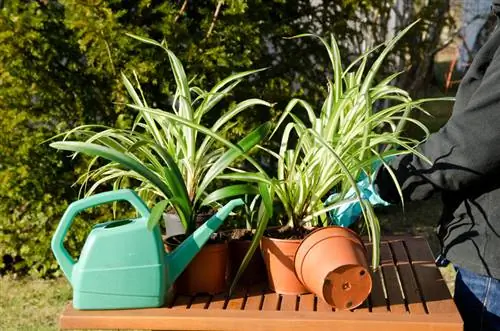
478, 300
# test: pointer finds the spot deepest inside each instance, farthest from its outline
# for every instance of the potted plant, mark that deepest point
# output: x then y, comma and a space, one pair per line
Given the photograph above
175, 160
334, 146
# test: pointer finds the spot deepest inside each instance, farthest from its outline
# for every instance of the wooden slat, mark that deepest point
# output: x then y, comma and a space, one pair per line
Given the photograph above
226, 320
306, 302
254, 297
218, 302
377, 297
182, 302
420, 251
410, 287
288, 303
323, 306
363, 308
200, 302
271, 301
237, 300
430, 281
391, 281
170, 297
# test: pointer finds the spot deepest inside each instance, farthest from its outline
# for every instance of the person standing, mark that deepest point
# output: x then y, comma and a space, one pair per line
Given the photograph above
465, 169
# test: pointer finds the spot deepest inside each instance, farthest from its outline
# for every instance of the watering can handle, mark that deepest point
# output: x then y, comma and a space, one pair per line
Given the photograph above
62, 256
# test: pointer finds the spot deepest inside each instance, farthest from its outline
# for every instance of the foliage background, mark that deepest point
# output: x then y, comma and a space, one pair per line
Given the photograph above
60, 63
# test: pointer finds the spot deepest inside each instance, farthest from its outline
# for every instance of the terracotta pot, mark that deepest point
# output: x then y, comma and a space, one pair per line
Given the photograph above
255, 272
206, 273
278, 257
331, 262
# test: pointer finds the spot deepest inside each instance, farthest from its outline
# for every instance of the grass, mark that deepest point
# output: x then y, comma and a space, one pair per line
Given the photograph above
31, 304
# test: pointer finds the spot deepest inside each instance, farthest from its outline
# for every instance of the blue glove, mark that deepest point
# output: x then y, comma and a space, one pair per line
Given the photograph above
348, 213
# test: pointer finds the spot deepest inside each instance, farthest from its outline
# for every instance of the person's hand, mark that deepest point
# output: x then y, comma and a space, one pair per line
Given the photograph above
348, 213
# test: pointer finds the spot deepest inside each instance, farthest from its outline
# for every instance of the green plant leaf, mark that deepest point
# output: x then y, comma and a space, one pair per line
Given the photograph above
144, 39
211, 100
263, 217
267, 194
221, 89
226, 118
290, 107
156, 214
246, 177
186, 122
112, 155
245, 144
130, 89
229, 192
367, 82
234, 77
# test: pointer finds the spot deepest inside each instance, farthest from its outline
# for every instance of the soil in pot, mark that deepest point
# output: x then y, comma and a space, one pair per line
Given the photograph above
278, 248
239, 243
202, 217
331, 262
206, 273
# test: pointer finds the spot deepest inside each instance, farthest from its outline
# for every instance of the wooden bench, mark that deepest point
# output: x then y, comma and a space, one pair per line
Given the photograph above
408, 294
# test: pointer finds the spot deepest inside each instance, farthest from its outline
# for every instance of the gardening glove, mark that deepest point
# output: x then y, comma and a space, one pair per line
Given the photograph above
348, 213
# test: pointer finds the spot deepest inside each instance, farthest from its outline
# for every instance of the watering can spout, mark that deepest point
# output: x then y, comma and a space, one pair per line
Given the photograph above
178, 260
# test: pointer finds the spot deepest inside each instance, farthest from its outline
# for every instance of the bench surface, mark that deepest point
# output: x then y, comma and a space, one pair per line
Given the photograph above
408, 294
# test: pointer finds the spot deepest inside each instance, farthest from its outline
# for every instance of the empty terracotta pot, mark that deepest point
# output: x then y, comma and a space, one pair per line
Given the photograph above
331, 262
255, 271
206, 273
279, 256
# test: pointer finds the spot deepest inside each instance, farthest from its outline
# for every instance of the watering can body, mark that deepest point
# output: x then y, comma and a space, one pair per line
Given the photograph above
122, 264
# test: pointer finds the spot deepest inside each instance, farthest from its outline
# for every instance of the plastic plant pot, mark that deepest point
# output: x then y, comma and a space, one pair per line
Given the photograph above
279, 257
331, 262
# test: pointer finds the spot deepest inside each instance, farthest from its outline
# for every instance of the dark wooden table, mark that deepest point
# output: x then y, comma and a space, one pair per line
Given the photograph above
408, 294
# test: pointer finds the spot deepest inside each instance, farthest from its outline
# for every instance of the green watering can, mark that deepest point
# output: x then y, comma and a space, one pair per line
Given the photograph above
122, 263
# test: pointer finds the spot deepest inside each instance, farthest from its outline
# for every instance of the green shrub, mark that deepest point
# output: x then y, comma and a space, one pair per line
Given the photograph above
60, 65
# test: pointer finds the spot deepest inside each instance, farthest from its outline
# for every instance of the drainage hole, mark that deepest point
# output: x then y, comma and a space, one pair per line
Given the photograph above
346, 286
362, 273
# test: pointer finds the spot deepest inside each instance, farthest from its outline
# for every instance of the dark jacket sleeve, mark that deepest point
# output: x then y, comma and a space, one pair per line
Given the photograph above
463, 152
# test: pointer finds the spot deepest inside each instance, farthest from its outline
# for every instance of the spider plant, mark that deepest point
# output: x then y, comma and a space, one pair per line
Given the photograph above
337, 143
172, 156
249, 212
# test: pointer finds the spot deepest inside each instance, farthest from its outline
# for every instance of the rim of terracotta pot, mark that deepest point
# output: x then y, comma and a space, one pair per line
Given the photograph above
282, 240
301, 251
335, 228
288, 240
213, 245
